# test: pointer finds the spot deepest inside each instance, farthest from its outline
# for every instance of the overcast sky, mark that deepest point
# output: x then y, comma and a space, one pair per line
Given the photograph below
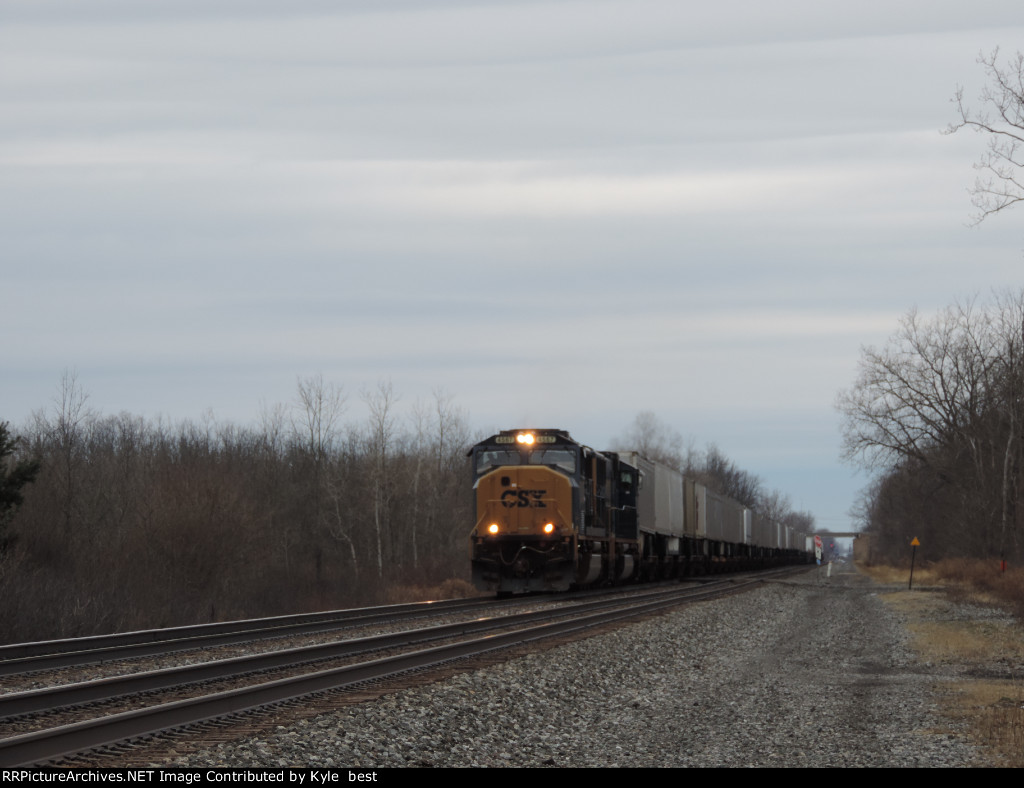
562, 213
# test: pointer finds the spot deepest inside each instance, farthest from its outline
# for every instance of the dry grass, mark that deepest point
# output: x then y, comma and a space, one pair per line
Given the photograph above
982, 582
993, 711
453, 588
985, 582
983, 646
955, 640
898, 575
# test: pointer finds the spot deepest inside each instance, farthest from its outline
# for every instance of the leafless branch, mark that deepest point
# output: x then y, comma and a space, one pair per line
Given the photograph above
998, 185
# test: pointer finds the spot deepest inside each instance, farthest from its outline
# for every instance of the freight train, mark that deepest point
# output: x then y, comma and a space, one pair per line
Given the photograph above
552, 514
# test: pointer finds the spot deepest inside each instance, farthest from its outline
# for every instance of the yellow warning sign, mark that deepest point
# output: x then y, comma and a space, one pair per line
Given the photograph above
915, 543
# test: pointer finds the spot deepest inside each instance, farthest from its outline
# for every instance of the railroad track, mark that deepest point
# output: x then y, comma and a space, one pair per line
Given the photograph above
22, 658
197, 700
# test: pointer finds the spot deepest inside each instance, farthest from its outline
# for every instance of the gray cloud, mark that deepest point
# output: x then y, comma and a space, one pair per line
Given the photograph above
561, 212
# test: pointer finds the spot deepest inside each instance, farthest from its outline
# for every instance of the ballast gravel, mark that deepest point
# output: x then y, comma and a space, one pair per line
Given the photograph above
811, 672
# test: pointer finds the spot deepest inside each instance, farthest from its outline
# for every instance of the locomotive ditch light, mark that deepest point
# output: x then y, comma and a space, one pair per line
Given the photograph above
549, 528
492, 528
525, 438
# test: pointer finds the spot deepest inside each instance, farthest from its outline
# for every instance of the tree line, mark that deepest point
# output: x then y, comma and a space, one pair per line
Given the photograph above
132, 523
654, 439
937, 415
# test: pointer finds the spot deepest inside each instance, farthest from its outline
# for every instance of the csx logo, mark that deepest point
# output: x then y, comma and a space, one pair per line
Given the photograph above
511, 499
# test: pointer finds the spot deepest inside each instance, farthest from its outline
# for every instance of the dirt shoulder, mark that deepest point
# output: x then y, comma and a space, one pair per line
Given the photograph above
974, 649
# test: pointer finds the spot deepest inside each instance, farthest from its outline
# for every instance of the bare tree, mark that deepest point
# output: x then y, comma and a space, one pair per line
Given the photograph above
723, 475
272, 423
446, 522
800, 521
925, 390
938, 412
654, 439
318, 411
66, 428
381, 433
773, 506
1001, 120
319, 408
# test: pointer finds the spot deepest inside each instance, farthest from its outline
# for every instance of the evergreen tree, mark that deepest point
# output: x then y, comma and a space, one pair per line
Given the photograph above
14, 474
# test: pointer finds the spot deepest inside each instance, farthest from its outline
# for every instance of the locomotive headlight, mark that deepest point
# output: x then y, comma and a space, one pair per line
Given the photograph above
549, 528
525, 438
492, 528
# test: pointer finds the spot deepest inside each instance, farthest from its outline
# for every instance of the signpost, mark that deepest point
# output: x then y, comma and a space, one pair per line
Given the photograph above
913, 555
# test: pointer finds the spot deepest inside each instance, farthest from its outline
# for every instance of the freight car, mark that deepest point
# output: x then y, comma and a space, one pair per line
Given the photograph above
552, 513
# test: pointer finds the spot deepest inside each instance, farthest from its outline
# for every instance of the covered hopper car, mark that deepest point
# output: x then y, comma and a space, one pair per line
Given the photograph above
552, 513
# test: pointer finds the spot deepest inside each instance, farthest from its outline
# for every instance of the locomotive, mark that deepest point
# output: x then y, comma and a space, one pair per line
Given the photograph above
552, 514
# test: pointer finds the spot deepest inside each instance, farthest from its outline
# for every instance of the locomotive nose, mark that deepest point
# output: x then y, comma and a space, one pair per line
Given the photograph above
528, 501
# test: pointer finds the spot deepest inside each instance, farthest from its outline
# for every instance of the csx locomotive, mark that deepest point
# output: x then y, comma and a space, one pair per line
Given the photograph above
552, 513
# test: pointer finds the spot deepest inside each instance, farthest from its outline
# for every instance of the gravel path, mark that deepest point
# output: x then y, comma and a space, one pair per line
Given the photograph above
804, 673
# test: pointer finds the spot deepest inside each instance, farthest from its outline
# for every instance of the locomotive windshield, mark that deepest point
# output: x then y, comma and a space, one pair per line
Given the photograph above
562, 459
495, 458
